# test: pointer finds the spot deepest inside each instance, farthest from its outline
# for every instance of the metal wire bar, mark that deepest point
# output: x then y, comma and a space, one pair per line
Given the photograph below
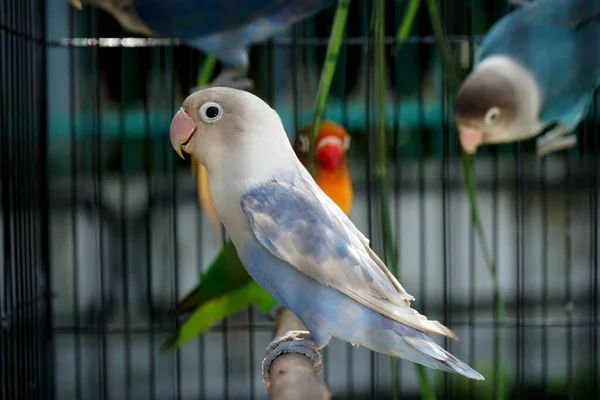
25, 316
281, 41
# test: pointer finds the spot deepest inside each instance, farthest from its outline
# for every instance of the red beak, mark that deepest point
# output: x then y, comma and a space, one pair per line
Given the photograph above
329, 153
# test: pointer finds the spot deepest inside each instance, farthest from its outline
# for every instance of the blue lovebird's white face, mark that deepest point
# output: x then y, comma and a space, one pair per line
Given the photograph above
233, 133
497, 103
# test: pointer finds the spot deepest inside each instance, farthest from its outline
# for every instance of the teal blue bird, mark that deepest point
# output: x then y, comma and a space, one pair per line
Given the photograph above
295, 242
538, 66
222, 28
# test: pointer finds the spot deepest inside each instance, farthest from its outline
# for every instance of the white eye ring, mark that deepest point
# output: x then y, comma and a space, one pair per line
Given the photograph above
491, 116
346, 142
210, 119
304, 142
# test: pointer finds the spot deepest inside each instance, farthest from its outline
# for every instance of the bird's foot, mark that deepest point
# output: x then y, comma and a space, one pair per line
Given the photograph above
77, 4
292, 342
556, 140
233, 78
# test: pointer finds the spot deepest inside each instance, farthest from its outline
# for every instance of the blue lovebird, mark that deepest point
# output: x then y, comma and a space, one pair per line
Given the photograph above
222, 28
294, 241
538, 66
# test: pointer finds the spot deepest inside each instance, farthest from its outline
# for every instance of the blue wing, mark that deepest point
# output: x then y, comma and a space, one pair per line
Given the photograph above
558, 41
189, 19
296, 222
193, 18
225, 28
515, 27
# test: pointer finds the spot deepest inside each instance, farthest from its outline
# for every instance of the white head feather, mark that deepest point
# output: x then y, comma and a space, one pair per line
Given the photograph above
246, 141
243, 146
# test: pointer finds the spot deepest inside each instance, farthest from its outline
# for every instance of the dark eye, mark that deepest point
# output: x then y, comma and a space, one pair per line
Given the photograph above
210, 112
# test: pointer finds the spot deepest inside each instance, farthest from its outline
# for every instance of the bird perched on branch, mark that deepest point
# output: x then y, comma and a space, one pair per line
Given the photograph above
225, 287
295, 242
222, 28
538, 66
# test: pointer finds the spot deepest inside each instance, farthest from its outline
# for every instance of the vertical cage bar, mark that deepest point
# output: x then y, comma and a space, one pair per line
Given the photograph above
74, 206
471, 239
369, 148
170, 106
568, 275
123, 222
148, 150
25, 355
519, 267
593, 201
446, 224
96, 149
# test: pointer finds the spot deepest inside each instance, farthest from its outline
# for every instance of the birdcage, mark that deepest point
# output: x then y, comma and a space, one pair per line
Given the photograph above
102, 231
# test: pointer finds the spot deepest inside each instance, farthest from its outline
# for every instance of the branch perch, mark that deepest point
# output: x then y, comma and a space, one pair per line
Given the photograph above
292, 375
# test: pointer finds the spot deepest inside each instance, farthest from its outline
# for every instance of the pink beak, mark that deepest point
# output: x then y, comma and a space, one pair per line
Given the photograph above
470, 138
182, 130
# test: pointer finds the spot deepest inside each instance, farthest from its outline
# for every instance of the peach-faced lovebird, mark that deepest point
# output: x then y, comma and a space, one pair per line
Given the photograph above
331, 161
222, 28
294, 241
538, 66
225, 287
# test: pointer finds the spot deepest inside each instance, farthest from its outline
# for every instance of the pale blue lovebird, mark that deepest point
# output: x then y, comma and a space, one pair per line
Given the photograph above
538, 66
295, 241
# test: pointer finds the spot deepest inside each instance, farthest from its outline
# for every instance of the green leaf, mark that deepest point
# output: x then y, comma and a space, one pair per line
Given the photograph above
214, 310
224, 274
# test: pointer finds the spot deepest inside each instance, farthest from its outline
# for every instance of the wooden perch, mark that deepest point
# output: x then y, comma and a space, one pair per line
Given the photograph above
292, 374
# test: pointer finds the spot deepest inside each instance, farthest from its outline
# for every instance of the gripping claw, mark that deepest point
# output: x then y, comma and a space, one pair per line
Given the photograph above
292, 342
556, 140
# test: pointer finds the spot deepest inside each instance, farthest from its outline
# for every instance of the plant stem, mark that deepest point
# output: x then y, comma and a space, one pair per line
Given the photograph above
333, 50
406, 25
453, 79
206, 71
389, 243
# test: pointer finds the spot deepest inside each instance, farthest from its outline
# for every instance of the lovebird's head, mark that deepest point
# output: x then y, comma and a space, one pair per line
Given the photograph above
331, 144
233, 132
497, 103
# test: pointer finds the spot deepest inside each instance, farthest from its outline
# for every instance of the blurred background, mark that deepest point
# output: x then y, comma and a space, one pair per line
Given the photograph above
102, 232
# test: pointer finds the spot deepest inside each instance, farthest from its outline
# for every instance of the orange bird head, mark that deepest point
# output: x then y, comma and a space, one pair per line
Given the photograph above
331, 161
331, 145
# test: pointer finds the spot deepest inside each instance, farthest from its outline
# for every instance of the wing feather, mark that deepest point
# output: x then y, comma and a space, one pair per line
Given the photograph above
299, 224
